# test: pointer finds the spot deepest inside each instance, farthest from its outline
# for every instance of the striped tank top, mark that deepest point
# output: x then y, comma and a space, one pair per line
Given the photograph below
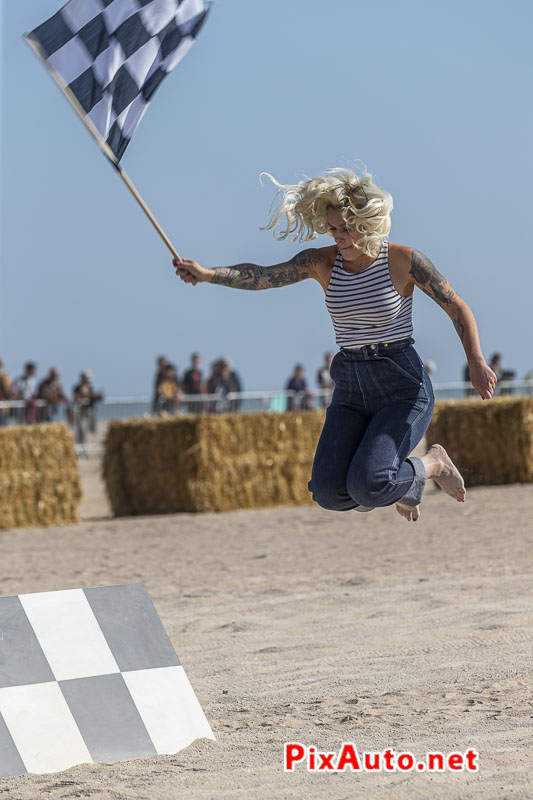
365, 307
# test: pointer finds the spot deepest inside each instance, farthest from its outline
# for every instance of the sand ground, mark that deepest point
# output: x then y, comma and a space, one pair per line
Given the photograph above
300, 624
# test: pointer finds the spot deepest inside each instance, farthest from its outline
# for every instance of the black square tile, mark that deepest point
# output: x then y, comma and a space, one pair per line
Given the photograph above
124, 89
170, 37
116, 141
132, 35
94, 36
87, 89
152, 83
53, 34
132, 627
107, 717
22, 660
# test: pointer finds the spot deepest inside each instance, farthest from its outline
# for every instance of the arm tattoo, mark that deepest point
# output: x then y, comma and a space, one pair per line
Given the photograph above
459, 326
429, 279
252, 276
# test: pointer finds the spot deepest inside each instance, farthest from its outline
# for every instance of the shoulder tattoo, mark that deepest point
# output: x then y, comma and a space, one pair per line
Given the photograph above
429, 279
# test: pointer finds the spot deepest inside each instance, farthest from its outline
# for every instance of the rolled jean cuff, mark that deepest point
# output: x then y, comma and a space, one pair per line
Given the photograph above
413, 495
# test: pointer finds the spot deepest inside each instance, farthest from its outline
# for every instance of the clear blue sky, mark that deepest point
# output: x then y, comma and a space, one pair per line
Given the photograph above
434, 97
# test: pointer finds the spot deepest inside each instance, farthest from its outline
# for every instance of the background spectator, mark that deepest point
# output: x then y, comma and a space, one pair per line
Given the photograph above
50, 389
161, 363
5, 392
495, 363
221, 382
169, 393
324, 380
469, 390
212, 382
502, 374
24, 389
297, 383
85, 399
192, 383
234, 381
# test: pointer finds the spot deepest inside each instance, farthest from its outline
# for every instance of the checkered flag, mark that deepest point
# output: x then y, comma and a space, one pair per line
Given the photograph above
109, 57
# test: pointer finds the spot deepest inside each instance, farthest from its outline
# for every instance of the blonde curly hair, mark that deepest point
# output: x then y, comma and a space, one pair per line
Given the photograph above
364, 207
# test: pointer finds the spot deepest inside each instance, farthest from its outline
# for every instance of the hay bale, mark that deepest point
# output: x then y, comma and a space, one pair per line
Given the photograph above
39, 478
210, 462
490, 441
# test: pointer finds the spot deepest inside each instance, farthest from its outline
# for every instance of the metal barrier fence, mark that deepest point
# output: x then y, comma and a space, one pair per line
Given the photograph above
88, 421
83, 419
461, 389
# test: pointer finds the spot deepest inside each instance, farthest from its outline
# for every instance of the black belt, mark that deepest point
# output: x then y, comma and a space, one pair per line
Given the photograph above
369, 351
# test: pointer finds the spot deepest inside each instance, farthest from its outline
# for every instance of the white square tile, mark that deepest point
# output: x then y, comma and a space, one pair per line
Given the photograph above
42, 727
102, 115
108, 63
69, 634
168, 707
140, 62
132, 115
118, 12
71, 60
175, 57
78, 13
188, 10
157, 15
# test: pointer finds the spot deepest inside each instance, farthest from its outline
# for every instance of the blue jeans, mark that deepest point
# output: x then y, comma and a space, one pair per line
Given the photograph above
381, 408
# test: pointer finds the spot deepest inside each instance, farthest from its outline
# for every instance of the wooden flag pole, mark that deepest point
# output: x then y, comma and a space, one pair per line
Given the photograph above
102, 144
147, 211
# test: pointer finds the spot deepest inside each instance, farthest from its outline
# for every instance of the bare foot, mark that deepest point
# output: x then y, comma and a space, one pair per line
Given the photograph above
411, 513
442, 470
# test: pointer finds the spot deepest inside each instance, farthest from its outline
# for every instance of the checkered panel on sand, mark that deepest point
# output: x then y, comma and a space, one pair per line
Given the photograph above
89, 675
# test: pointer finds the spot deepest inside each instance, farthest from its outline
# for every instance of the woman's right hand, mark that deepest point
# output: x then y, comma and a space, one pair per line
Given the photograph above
483, 379
191, 271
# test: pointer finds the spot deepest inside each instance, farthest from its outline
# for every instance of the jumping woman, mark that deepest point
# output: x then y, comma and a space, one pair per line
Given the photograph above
383, 399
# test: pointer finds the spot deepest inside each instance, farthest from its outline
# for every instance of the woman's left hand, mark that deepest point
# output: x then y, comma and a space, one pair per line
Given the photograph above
483, 379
